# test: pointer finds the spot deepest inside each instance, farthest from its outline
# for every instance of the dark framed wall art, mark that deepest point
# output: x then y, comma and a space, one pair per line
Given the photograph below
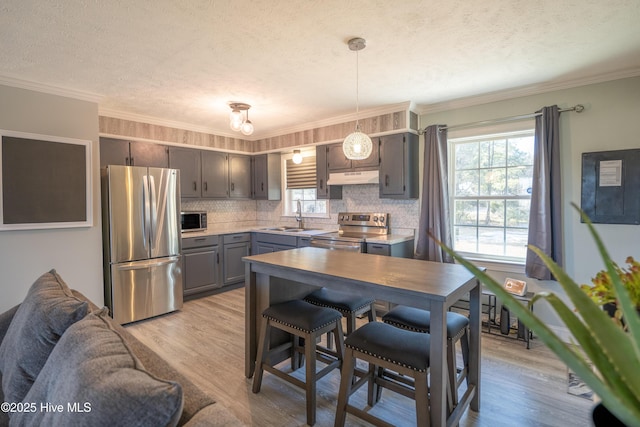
45, 182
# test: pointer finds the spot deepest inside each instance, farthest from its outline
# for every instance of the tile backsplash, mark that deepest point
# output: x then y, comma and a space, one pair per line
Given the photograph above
404, 214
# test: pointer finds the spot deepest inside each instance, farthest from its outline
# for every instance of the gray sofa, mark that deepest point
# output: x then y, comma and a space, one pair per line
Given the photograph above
64, 362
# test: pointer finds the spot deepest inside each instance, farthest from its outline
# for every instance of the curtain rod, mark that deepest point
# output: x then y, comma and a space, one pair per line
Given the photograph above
579, 108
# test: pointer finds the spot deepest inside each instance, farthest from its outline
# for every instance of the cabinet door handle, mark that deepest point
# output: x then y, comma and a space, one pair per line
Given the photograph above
321, 183
200, 239
195, 187
132, 163
386, 180
217, 257
237, 237
232, 187
262, 186
205, 186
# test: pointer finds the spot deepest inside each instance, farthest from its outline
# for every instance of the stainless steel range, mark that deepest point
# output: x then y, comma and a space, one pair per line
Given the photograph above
353, 232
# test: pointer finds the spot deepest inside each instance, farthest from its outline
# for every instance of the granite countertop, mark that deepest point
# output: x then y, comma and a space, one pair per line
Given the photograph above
231, 228
248, 228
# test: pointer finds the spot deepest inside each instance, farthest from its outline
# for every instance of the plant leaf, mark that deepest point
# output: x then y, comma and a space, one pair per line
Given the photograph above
629, 311
615, 343
628, 413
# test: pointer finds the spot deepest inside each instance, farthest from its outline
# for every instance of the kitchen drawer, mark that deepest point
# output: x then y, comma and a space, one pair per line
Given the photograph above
277, 239
200, 241
378, 249
236, 238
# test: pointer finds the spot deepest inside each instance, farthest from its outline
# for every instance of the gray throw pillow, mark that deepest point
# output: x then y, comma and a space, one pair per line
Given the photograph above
93, 379
46, 312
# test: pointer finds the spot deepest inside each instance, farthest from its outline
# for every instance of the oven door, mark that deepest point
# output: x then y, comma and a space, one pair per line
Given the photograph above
337, 245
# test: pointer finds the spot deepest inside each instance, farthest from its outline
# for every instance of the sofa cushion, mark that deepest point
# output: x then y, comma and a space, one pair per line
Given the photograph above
46, 312
93, 367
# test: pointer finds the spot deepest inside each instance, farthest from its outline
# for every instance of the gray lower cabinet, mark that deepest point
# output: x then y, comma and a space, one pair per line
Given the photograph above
400, 250
201, 264
270, 242
235, 246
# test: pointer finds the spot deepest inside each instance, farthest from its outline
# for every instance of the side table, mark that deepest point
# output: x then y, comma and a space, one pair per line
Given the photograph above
523, 331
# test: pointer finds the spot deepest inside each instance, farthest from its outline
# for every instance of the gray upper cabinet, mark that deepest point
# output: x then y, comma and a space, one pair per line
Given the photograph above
215, 175
239, 176
267, 180
188, 162
211, 174
323, 191
338, 162
132, 153
399, 166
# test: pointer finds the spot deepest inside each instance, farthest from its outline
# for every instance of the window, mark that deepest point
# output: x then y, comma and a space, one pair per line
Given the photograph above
491, 180
300, 184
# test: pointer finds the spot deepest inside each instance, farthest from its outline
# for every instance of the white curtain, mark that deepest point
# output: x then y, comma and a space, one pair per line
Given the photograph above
434, 211
545, 218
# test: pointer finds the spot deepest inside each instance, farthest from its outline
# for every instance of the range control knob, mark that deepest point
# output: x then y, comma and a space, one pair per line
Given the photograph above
375, 219
381, 219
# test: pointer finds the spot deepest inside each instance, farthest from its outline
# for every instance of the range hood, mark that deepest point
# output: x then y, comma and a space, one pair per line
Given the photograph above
349, 178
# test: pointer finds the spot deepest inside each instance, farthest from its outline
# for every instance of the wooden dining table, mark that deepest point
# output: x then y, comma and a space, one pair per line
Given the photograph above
281, 276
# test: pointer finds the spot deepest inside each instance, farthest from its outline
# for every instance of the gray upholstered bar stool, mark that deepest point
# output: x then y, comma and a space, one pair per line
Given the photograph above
351, 306
302, 320
385, 348
418, 320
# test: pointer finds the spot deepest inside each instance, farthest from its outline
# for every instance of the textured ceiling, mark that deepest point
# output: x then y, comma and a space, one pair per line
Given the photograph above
184, 61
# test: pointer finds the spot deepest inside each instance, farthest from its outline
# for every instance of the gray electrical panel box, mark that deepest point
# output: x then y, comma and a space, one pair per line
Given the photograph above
611, 186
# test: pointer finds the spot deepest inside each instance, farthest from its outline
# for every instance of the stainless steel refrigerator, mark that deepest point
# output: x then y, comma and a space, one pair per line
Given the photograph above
142, 246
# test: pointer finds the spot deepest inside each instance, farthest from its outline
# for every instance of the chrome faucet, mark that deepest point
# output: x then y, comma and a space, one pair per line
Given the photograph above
299, 214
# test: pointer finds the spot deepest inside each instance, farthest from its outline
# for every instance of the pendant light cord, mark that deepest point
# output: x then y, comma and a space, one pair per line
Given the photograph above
357, 91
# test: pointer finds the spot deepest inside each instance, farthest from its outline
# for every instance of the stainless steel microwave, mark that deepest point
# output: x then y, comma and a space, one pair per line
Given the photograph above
193, 221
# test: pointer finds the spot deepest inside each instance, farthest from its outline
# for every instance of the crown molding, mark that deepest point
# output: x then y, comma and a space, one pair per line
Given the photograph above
523, 91
51, 90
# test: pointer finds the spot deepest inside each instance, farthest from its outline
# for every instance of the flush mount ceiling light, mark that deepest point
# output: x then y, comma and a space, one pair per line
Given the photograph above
240, 122
297, 157
357, 145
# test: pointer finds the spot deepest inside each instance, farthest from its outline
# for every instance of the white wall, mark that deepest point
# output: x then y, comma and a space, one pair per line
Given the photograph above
75, 253
611, 121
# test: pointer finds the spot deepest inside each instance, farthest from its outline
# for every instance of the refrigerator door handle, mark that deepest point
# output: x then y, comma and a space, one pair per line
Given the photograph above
153, 212
146, 222
146, 264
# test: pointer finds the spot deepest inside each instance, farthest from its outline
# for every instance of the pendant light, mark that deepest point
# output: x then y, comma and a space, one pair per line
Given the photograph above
357, 145
297, 157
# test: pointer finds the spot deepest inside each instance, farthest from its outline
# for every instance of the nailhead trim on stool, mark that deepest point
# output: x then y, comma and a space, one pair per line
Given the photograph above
385, 347
302, 320
351, 306
415, 319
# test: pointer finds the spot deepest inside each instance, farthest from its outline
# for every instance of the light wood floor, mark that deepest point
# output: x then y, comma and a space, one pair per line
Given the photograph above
205, 341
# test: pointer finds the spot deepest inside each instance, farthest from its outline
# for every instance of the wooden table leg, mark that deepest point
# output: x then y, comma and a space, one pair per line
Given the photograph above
438, 364
475, 311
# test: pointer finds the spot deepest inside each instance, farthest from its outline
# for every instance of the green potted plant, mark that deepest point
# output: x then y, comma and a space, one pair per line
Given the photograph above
614, 353
602, 291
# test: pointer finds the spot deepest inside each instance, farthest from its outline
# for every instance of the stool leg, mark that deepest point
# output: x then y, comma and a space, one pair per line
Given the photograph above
351, 323
453, 372
422, 399
348, 367
372, 313
310, 380
464, 342
263, 348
